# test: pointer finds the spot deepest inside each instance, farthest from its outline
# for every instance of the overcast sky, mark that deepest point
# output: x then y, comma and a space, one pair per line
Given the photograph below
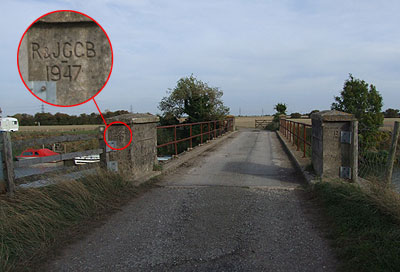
258, 52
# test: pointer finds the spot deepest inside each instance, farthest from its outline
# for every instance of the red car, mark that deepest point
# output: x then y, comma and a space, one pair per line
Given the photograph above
31, 153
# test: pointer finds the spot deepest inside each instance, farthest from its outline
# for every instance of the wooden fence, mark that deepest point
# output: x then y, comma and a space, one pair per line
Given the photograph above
261, 123
7, 173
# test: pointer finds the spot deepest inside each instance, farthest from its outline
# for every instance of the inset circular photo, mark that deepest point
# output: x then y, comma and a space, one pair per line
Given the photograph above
65, 58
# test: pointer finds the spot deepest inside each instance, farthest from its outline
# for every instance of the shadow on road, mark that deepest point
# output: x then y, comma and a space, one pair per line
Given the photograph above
262, 171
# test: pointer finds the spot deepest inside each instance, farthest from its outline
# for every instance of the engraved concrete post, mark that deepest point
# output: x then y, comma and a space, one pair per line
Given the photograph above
65, 58
141, 155
332, 144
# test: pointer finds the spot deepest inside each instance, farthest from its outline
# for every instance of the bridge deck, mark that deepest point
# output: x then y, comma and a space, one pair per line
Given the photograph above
254, 158
236, 208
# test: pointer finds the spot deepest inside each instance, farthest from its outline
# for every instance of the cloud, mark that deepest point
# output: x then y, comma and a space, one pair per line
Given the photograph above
258, 52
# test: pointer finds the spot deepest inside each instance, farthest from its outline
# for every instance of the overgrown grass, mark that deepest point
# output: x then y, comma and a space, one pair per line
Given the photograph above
32, 221
365, 225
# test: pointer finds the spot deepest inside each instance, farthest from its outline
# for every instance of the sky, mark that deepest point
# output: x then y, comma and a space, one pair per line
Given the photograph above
258, 52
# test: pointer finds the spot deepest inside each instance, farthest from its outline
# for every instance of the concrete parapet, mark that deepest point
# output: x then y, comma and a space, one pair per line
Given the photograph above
140, 156
333, 144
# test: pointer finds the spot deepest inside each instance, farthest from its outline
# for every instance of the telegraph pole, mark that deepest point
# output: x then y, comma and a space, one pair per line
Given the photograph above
131, 109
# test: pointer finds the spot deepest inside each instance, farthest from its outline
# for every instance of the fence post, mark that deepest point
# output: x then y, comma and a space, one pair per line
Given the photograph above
191, 142
392, 152
201, 133
354, 151
294, 133
176, 144
304, 140
105, 156
285, 127
209, 130
8, 166
298, 136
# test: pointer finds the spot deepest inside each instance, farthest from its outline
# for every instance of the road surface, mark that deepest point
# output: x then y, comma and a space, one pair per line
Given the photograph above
238, 207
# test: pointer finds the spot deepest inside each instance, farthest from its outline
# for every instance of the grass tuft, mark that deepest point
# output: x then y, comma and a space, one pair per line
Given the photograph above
34, 219
365, 226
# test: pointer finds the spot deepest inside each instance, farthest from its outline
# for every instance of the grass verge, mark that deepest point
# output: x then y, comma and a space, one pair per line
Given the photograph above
364, 225
35, 220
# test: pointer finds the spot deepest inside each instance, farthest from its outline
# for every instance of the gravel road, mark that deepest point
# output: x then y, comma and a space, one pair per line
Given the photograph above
238, 207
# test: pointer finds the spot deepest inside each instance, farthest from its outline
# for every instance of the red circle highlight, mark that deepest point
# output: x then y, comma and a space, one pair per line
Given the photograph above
105, 138
112, 58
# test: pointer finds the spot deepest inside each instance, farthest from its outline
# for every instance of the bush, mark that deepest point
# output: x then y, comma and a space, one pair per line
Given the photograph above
295, 115
365, 102
273, 126
313, 111
391, 113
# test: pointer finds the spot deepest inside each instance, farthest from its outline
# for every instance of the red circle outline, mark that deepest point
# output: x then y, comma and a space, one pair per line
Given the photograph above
109, 125
112, 58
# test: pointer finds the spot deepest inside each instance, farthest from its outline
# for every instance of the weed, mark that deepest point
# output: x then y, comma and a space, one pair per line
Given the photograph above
365, 225
32, 221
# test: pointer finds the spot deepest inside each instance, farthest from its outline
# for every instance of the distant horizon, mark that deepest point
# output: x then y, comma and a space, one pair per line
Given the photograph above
184, 116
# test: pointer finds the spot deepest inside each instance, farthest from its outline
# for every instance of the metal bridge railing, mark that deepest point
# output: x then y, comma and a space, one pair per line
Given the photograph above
191, 134
298, 133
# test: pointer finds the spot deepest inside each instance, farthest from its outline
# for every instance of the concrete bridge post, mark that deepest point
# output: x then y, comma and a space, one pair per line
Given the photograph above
335, 145
139, 157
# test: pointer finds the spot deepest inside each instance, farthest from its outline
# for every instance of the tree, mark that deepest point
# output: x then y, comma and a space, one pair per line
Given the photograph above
280, 108
62, 118
364, 101
295, 115
25, 119
45, 118
313, 111
193, 98
391, 113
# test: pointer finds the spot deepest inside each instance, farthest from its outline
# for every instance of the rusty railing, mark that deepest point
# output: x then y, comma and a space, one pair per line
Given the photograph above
296, 133
197, 132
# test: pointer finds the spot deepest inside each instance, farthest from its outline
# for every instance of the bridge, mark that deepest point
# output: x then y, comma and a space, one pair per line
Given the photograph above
239, 206
228, 199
